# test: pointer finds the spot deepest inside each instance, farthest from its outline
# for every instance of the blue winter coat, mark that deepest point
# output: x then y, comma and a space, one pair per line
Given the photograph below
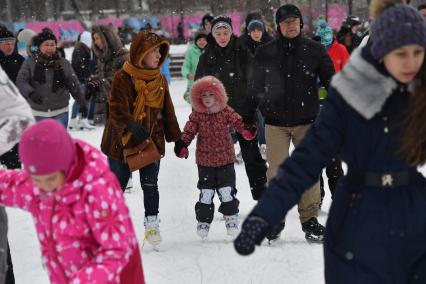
373, 234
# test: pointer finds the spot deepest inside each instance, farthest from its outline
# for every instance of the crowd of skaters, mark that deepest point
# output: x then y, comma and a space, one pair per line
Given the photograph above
266, 86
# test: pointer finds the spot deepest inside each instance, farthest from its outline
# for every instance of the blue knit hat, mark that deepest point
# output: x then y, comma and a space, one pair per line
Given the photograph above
255, 24
397, 26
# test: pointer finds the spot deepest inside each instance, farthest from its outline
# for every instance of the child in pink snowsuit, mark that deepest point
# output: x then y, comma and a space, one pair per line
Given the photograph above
212, 119
82, 221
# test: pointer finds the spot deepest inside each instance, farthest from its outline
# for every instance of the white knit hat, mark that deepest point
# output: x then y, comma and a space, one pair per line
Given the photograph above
86, 38
26, 35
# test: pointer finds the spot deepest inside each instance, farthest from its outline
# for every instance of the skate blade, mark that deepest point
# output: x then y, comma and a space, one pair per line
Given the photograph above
315, 240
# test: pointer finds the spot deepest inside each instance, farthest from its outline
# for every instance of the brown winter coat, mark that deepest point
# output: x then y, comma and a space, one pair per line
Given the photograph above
121, 107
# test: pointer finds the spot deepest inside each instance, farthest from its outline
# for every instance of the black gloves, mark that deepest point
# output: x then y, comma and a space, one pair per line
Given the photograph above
181, 149
138, 131
36, 98
252, 233
92, 87
83, 111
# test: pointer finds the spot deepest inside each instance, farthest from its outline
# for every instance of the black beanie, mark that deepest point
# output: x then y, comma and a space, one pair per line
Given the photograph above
222, 21
6, 35
200, 34
43, 36
286, 11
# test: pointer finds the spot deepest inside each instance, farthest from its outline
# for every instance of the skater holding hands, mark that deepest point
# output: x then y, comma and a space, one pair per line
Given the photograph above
215, 156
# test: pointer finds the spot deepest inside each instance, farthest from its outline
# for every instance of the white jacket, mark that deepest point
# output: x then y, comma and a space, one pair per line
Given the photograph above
15, 113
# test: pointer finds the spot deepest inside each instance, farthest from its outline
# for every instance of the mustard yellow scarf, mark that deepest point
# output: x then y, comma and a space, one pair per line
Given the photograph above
149, 85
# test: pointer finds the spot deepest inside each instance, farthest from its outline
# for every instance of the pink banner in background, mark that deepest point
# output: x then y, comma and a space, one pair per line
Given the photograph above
67, 30
116, 22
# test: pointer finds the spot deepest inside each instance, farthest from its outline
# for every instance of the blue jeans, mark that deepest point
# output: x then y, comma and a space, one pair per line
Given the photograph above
62, 118
90, 105
76, 109
260, 128
148, 179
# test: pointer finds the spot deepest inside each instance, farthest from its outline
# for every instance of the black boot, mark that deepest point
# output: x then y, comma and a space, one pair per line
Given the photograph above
314, 231
275, 232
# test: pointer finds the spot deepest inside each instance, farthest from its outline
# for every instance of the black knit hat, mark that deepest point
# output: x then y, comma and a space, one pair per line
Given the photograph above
287, 11
200, 34
222, 21
43, 36
6, 35
395, 27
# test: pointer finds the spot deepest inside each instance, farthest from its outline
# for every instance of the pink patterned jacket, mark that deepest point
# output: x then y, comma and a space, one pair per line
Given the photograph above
84, 228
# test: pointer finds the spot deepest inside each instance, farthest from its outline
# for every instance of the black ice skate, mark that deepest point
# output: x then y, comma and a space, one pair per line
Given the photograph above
275, 233
314, 231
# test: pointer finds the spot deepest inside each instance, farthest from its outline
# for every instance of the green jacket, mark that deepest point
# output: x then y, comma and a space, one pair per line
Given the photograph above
190, 66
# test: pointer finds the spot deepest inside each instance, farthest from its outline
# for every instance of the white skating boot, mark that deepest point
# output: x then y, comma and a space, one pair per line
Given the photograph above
238, 155
85, 125
203, 230
74, 124
129, 187
262, 149
231, 223
152, 230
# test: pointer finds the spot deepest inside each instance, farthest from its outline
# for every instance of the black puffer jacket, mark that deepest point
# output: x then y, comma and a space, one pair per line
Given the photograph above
11, 64
230, 66
284, 78
81, 62
253, 45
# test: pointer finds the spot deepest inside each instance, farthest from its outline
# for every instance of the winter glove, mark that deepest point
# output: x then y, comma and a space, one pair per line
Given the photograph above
138, 131
36, 98
83, 111
181, 149
249, 132
92, 87
252, 233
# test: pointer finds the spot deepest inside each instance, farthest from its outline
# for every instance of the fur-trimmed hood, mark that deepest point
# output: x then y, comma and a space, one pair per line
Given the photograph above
110, 39
212, 85
143, 42
362, 86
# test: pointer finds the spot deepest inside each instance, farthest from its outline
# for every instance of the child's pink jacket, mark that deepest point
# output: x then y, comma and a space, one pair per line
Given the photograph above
84, 228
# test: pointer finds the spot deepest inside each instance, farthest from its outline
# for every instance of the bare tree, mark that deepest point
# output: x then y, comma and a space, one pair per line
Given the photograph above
78, 14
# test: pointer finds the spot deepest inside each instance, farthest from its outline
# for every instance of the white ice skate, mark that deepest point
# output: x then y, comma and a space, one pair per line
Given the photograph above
85, 125
203, 230
231, 223
152, 231
238, 156
129, 186
262, 149
74, 124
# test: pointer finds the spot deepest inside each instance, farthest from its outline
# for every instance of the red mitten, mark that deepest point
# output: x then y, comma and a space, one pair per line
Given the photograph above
184, 153
249, 132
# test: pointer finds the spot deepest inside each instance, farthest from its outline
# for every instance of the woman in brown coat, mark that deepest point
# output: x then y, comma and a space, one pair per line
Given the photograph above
141, 76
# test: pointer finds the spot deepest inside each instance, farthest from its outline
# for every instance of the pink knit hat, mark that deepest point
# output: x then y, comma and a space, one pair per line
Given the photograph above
46, 147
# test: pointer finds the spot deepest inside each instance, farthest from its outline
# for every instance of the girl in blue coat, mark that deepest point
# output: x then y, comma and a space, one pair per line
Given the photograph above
375, 119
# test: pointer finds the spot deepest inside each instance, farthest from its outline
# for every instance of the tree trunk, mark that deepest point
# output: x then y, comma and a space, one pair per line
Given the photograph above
78, 14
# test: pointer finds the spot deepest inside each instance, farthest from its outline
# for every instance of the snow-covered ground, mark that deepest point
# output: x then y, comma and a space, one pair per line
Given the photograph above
183, 257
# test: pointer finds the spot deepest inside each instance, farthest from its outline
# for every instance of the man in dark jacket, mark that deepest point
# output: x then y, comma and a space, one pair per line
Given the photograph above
227, 58
284, 82
11, 62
